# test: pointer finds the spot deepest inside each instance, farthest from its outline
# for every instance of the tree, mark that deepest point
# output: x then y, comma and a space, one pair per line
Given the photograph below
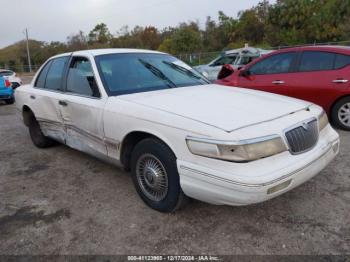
166, 46
186, 39
77, 41
100, 34
211, 36
250, 28
150, 38
227, 28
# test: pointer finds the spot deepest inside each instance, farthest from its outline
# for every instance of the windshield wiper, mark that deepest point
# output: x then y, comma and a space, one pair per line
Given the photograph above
184, 70
158, 73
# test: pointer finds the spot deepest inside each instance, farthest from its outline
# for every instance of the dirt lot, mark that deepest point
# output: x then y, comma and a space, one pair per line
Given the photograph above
61, 201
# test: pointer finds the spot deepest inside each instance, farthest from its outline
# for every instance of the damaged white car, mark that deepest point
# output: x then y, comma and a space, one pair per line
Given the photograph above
179, 135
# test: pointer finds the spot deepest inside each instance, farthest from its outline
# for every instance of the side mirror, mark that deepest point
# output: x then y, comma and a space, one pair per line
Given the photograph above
245, 73
225, 71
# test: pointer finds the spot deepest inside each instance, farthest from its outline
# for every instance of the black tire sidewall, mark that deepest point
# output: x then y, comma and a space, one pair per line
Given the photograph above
334, 115
168, 159
37, 136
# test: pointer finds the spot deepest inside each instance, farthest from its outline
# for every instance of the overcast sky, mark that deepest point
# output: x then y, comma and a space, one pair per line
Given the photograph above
54, 20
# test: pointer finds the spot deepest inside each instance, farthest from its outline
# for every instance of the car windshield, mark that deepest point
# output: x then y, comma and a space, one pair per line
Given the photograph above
223, 60
6, 73
139, 72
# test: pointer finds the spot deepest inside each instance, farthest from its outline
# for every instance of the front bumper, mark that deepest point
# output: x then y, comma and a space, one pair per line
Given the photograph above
274, 176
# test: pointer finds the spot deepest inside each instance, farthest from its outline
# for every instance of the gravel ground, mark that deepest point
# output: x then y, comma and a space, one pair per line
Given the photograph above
61, 201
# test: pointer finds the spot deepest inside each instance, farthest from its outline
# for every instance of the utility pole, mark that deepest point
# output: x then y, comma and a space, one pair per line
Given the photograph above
28, 53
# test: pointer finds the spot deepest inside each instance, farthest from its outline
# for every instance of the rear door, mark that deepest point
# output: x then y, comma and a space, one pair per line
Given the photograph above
273, 74
45, 100
321, 77
82, 108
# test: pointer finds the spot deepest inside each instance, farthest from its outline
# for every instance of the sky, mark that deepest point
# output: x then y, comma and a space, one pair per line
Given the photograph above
54, 20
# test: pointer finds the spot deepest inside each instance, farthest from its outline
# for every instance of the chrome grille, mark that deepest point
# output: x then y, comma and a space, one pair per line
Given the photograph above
303, 138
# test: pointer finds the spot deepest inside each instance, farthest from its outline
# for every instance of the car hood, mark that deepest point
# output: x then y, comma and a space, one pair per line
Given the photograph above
226, 108
202, 68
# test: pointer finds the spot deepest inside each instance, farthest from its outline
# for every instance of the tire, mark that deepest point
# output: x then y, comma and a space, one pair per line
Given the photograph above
155, 176
10, 101
341, 113
37, 136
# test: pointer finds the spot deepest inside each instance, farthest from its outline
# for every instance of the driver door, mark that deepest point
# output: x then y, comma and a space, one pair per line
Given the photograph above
273, 74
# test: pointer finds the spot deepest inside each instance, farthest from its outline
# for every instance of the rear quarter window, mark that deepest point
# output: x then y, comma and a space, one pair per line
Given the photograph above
6, 73
40, 81
341, 61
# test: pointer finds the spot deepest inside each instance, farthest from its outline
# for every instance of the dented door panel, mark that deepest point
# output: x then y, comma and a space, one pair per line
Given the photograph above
82, 118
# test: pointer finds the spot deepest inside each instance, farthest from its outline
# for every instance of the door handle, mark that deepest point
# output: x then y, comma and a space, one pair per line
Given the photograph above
340, 81
278, 82
32, 96
62, 103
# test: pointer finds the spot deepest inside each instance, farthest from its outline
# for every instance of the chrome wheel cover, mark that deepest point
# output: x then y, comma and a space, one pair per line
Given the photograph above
152, 177
344, 114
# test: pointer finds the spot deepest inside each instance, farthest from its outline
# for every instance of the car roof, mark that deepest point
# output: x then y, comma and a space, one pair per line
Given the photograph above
96, 52
325, 48
248, 50
5, 70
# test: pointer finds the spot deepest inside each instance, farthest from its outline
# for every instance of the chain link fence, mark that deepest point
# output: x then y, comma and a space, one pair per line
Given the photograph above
21, 69
195, 59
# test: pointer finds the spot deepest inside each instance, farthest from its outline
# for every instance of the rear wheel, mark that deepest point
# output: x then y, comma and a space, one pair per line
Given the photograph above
37, 136
155, 176
341, 113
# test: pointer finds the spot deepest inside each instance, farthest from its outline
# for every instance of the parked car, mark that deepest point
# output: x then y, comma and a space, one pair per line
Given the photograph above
6, 91
12, 77
179, 135
319, 74
237, 58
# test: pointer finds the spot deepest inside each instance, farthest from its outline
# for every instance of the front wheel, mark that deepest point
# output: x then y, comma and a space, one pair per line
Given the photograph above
341, 113
155, 176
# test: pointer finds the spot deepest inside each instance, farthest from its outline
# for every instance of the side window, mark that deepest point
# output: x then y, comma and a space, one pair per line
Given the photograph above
40, 81
55, 74
81, 78
341, 61
316, 61
276, 64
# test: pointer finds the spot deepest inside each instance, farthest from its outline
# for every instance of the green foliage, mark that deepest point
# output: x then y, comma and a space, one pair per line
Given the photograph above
100, 34
307, 21
186, 39
287, 22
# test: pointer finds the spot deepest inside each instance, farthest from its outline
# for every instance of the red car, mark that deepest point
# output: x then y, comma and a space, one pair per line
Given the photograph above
320, 74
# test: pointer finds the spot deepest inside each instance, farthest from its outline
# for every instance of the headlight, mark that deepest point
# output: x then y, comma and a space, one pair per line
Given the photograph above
239, 151
323, 120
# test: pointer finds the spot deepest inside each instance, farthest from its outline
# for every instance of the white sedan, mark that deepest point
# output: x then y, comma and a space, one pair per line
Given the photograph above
12, 77
179, 135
